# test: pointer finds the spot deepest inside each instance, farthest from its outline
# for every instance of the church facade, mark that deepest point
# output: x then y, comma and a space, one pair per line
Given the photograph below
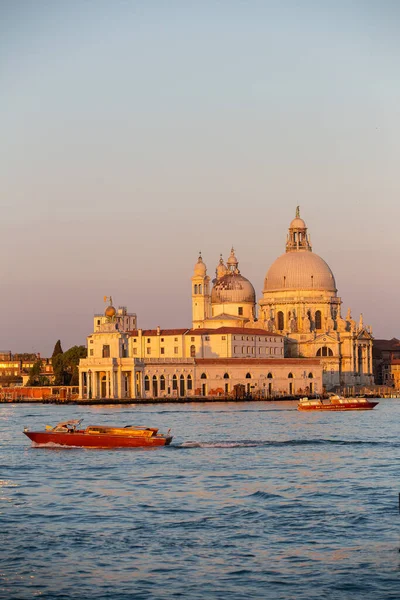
297, 343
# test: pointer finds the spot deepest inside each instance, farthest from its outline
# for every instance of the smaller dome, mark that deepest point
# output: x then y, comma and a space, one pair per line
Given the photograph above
110, 311
200, 268
221, 269
232, 288
297, 223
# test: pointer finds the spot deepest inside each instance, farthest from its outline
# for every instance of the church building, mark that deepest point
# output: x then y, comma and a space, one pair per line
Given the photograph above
298, 343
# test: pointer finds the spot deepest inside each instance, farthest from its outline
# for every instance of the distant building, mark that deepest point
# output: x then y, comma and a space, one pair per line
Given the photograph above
386, 358
15, 368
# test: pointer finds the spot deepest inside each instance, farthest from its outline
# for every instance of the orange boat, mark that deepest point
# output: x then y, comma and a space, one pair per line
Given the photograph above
68, 434
336, 403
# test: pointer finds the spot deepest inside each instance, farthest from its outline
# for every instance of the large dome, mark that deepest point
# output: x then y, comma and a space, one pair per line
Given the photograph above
232, 288
301, 270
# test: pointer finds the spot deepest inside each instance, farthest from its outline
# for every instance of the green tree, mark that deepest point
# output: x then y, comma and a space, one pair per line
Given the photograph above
71, 360
35, 376
57, 349
58, 369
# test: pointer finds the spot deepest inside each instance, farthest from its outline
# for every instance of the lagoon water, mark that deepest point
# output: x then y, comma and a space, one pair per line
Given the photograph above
251, 500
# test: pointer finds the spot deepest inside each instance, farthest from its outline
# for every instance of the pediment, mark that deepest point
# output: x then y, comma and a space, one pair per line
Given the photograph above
325, 338
364, 334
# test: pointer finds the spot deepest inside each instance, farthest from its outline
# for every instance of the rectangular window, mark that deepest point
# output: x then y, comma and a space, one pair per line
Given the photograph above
162, 350
240, 311
148, 340
243, 349
235, 349
162, 384
162, 339
146, 384
175, 339
106, 351
176, 350
192, 339
207, 338
148, 350
91, 352
91, 341
189, 384
224, 337
134, 339
134, 350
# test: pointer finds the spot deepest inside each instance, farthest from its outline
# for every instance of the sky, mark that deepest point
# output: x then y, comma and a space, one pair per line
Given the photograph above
135, 134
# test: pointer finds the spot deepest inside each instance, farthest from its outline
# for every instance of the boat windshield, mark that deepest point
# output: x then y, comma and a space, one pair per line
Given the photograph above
67, 425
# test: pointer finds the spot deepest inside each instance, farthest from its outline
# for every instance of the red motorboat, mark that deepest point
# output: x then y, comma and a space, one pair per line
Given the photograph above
98, 436
336, 403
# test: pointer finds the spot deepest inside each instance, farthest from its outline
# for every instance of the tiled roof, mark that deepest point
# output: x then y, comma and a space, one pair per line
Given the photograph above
259, 361
392, 344
237, 330
219, 331
151, 332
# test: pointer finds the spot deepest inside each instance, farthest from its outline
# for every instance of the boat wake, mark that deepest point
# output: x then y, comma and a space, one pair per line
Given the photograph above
53, 445
275, 443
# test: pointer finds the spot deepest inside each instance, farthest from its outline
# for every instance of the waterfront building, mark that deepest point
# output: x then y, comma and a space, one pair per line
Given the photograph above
299, 322
174, 363
15, 368
386, 358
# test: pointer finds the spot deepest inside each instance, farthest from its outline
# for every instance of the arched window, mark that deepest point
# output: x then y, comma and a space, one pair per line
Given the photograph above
269, 376
146, 384
310, 376
193, 351
174, 383
155, 386
195, 288
226, 376
162, 383
318, 320
200, 288
189, 382
290, 376
248, 376
182, 385
280, 321
324, 351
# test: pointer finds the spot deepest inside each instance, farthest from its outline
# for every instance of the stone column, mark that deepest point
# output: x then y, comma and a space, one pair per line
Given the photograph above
107, 384
80, 384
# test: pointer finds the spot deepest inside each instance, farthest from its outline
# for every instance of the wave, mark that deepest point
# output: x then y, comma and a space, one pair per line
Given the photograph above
277, 443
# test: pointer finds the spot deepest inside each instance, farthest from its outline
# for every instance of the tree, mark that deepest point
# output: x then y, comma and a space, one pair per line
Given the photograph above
35, 376
57, 349
65, 366
71, 360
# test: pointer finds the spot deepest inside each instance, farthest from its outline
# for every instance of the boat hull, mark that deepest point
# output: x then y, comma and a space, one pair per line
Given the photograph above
85, 440
341, 407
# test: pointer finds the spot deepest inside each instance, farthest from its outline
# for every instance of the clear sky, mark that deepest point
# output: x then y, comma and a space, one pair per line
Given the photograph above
136, 133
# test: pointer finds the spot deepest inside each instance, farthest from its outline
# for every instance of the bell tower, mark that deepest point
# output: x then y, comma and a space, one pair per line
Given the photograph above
201, 299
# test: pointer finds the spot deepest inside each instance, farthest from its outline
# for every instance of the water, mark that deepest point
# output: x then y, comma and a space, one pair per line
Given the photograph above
250, 500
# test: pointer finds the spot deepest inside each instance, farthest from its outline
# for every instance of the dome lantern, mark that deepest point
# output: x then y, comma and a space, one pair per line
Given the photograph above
298, 239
